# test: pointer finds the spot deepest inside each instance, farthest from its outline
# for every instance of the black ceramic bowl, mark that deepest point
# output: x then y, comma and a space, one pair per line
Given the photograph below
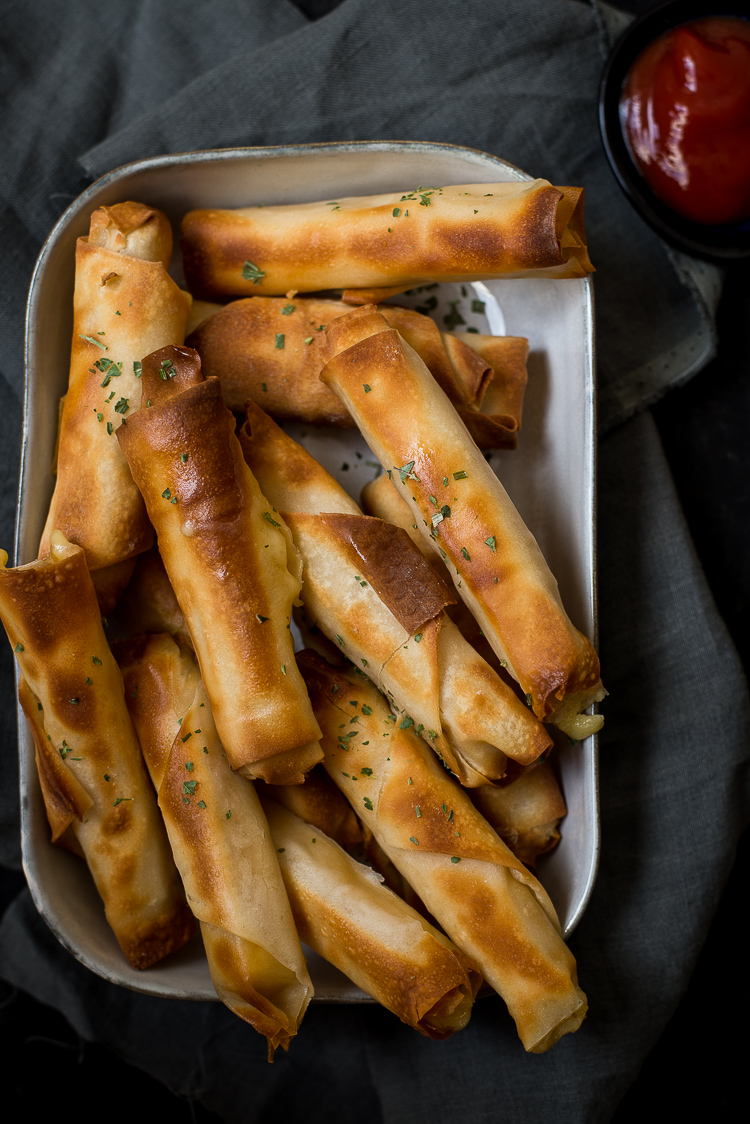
717, 243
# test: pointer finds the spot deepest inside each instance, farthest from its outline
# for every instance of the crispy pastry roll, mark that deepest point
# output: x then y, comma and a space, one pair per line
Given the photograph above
371, 592
466, 232
272, 350
344, 912
462, 509
98, 797
494, 420
220, 841
231, 562
482, 896
525, 813
125, 306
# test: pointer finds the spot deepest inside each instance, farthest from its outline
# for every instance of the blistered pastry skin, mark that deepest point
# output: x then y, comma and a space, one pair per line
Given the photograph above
97, 793
458, 233
272, 350
481, 895
375, 596
221, 843
125, 306
462, 510
345, 914
227, 554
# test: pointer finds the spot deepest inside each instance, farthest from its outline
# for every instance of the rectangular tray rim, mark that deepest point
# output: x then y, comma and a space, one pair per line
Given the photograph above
166, 161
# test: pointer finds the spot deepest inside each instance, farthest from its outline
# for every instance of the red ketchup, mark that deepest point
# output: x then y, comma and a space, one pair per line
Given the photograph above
685, 112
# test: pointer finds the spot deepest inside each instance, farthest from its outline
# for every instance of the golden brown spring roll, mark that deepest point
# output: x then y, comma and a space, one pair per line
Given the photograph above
344, 913
319, 802
125, 306
228, 556
381, 499
221, 842
466, 232
371, 592
525, 813
462, 509
98, 797
482, 896
272, 350
494, 419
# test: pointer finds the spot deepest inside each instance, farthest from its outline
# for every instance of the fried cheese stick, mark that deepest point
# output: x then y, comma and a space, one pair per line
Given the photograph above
231, 562
99, 801
481, 895
462, 510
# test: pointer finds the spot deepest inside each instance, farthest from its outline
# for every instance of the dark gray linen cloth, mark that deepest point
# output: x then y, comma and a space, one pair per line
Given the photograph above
94, 88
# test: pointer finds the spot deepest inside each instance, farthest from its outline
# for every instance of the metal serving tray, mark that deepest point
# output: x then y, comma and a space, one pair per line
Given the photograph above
550, 477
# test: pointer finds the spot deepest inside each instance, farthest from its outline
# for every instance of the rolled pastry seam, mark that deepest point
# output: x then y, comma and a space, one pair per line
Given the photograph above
319, 802
372, 593
272, 350
480, 894
494, 421
465, 232
381, 499
231, 562
225, 855
344, 912
525, 813
161, 677
92, 775
462, 509
125, 305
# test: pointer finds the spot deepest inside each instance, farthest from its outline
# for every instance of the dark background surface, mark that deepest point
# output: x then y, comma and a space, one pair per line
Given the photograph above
697, 1062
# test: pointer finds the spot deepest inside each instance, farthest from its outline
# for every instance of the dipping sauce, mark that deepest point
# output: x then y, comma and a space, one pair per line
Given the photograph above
685, 114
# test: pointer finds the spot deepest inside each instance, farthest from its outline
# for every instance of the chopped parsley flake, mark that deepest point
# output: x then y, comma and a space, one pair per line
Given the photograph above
279, 341
251, 272
490, 542
287, 310
137, 368
268, 518
90, 339
460, 475
414, 841
455, 859
406, 722
466, 554
367, 803
453, 318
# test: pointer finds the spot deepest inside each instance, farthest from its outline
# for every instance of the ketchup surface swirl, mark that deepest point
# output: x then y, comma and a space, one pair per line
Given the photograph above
685, 113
